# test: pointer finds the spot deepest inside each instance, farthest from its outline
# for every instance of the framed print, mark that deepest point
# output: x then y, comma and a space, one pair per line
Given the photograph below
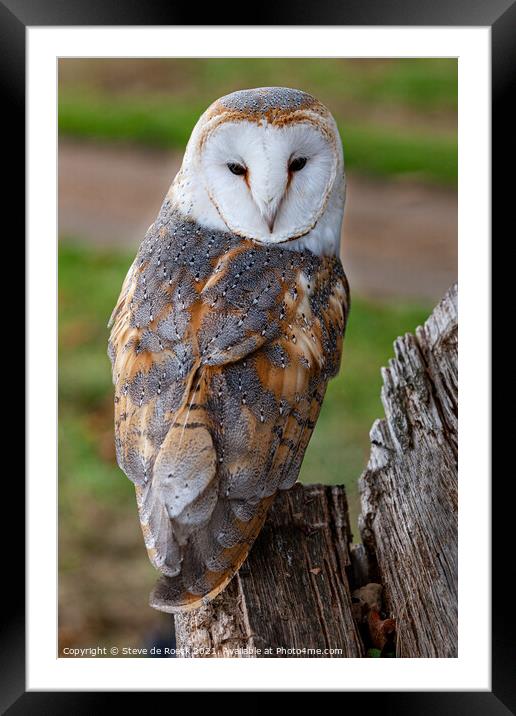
360, 165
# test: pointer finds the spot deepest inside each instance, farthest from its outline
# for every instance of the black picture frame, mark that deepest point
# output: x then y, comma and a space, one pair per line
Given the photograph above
500, 16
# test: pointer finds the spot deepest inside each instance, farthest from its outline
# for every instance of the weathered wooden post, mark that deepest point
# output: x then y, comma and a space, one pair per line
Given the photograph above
294, 594
409, 488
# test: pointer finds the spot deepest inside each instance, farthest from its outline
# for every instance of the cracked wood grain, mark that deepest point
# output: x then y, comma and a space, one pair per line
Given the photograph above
409, 488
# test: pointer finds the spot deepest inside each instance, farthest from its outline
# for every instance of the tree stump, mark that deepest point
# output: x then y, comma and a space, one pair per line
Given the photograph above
409, 488
292, 596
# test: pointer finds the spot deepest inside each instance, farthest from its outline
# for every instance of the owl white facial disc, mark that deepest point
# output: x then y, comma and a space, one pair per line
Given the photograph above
267, 165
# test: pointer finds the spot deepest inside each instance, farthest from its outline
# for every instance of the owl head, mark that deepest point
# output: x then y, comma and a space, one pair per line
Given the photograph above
266, 164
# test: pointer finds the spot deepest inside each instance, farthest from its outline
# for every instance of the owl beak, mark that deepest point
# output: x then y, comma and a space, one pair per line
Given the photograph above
269, 212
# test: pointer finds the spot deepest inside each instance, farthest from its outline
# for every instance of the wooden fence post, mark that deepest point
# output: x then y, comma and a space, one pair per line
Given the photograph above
293, 595
409, 488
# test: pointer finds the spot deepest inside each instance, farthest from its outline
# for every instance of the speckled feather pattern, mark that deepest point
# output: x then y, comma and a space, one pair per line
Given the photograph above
221, 351
267, 99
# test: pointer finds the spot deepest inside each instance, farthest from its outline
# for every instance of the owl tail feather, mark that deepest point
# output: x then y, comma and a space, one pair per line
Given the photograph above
172, 595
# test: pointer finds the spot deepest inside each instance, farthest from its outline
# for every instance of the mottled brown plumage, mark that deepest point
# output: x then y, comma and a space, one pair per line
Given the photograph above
221, 351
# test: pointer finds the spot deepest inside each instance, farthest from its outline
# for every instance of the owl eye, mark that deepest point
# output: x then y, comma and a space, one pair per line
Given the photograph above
297, 164
237, 169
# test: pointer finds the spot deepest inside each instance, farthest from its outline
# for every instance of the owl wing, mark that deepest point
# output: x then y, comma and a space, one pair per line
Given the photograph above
221, 352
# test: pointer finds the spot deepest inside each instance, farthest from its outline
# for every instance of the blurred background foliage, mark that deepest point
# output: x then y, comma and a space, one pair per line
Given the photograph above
398, 123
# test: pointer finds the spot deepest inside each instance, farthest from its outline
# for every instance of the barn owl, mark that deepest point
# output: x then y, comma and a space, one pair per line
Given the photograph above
227, 329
